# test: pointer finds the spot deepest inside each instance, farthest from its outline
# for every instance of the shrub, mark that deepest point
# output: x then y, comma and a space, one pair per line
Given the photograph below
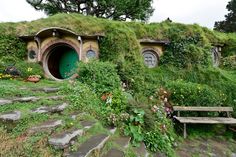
11, 45
229, 62
81, 97
156, 140
133, 75
27, 68
119, 44
187, 52
101, 77
193, 94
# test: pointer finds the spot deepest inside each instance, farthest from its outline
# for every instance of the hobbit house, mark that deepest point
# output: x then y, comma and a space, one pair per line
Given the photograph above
58, 50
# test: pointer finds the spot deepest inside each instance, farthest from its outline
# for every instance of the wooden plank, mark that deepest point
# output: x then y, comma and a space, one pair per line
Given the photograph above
206, 120
206, 109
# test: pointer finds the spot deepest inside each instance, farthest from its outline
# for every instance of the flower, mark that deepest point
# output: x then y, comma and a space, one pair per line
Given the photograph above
154, 108
35, 76
29, 69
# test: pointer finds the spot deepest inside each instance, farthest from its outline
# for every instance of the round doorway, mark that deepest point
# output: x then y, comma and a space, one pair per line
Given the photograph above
61, 62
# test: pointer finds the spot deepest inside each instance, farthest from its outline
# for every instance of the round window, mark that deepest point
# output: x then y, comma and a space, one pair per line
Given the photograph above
32, 54
91, 54
150, 59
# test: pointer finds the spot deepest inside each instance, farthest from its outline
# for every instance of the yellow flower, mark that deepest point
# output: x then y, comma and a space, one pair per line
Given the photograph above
29, 69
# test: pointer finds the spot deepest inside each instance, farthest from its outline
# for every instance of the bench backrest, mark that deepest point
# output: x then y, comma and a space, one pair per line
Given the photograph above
207, 109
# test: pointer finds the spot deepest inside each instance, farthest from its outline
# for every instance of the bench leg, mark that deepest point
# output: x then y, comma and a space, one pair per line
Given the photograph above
185, 132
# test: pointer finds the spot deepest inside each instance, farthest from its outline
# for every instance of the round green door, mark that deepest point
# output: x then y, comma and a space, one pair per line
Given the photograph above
68, 63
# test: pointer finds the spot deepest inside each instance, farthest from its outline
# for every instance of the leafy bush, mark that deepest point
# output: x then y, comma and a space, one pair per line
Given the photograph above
11, 45
101, 77
156, 140
229, 62
187, 52
27, 68
134, 127
229, 48
133, 75
119, 44
81, 97
193, 94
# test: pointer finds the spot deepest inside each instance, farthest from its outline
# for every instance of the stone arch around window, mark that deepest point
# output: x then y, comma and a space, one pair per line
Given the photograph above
32, 54
151, 57
91, 53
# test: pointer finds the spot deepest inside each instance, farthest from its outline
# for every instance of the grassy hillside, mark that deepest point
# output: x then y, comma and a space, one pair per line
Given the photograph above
185, 71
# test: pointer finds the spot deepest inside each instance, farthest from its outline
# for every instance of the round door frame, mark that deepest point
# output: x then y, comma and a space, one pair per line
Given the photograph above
47, 50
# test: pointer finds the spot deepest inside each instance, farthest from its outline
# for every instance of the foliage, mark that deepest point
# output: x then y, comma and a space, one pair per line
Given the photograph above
229, 49
134, 127
111, 9
5, 76
187, 52
132, 75
81, 97
228, 25
11, 45
100, 76
26, 69
156, 140
122, 50
229, 62
193, 94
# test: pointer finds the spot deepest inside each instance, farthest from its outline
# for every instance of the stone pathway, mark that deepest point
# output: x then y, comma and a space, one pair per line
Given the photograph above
141, 151
28, 99
123, 143
47, 89
10, 116
64, 139
45, 126
94, 143
5, 102
51, 109
114, 153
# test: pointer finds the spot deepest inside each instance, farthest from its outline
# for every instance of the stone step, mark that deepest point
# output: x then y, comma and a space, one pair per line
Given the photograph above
112, 130
45, 126
28, 99
76, 114
141, 151
123, 141
51, 109
47, 89
5, 102
94, 143
10, 116
63, 140
114, 153
87, 124
159, 154
42, 89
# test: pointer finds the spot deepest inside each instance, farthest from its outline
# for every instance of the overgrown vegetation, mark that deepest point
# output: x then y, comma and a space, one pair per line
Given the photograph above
119, 90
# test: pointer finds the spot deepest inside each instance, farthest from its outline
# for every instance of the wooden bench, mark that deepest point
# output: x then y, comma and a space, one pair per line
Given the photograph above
203, 120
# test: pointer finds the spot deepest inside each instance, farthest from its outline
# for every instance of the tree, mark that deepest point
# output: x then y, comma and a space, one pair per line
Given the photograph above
111, 9
229, 24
